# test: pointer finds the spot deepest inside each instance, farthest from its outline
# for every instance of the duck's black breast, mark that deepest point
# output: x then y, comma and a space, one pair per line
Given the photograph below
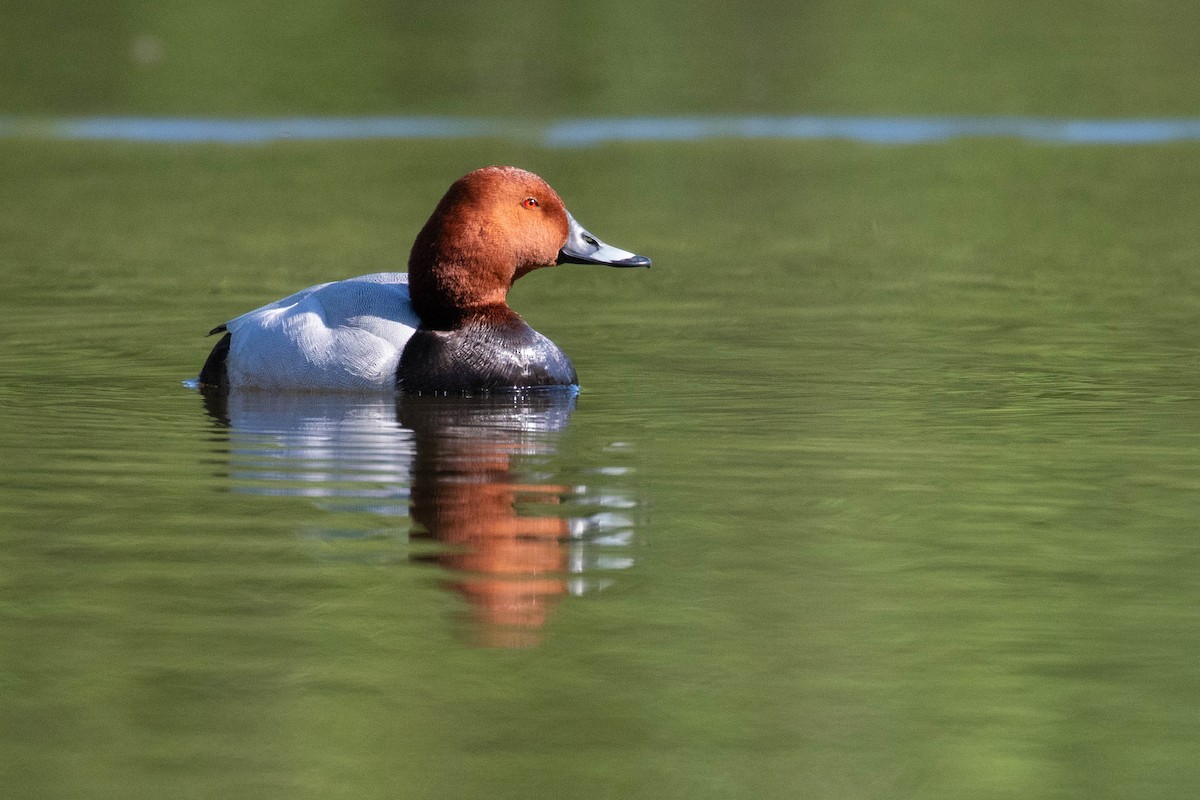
482, 355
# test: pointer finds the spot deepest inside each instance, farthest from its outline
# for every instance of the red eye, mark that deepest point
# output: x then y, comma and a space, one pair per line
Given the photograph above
530, 202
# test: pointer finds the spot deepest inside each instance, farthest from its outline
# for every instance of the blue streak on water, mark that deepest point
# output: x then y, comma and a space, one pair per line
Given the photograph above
585, 132
252, 131
877, 130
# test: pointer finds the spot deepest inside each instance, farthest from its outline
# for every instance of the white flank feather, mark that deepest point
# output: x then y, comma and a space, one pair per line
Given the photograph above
346, 335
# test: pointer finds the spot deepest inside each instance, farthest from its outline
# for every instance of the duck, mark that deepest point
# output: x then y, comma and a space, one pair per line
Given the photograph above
445, 326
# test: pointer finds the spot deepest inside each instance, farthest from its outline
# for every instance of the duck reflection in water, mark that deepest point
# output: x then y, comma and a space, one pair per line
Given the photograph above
475, 475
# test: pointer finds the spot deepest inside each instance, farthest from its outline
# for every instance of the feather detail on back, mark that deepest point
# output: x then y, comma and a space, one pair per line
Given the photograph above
343, 335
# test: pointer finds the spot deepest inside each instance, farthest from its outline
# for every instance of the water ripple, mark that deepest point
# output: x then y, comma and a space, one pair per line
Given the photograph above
475, 485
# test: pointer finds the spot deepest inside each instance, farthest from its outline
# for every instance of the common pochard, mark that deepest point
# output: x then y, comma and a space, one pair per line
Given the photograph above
444, 327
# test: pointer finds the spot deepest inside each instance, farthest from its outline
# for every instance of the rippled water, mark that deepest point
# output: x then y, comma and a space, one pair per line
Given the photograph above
881, 483
477, 477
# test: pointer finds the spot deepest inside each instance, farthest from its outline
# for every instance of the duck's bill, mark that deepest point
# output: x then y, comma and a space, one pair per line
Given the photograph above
583, 248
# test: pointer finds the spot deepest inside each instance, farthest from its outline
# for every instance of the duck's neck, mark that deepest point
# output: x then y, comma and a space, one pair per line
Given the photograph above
453, 277
444, 304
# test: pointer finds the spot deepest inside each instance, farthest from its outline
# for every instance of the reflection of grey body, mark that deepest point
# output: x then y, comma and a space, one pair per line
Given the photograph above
348, 450
460, 468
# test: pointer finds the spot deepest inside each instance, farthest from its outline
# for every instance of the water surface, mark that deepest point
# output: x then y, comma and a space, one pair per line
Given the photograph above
476, 478
882, 483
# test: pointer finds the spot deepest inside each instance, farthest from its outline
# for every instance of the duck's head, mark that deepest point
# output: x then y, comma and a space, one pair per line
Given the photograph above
492, 226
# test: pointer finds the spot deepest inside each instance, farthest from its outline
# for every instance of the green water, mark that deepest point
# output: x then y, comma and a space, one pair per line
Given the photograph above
546, 58
883, 481
905, 440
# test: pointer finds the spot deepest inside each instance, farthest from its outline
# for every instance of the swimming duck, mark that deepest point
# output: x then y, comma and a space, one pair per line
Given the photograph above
445, 327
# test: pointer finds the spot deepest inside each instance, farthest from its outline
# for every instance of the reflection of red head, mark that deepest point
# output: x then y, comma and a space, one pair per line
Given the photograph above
509, 611
514, 565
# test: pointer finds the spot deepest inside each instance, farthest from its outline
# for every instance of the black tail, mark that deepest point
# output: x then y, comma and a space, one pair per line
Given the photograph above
215, 373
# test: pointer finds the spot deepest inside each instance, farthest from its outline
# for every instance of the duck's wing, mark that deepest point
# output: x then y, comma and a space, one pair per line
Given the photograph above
342, 335
293, 299
286, 302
